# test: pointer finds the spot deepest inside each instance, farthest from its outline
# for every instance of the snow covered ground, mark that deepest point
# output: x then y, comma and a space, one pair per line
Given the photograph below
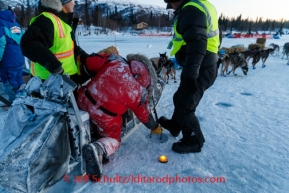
244, 120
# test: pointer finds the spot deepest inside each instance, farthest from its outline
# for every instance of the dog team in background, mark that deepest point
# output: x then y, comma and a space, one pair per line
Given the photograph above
237, 56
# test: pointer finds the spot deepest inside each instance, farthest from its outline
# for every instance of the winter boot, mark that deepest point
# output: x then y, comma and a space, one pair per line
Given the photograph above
187, 145
169, 125
93, 155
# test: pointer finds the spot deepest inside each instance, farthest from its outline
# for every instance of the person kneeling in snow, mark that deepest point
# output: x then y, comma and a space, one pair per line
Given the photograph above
117, 85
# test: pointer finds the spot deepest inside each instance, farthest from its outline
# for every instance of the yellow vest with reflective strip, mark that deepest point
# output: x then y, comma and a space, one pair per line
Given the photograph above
63, 48
212, 27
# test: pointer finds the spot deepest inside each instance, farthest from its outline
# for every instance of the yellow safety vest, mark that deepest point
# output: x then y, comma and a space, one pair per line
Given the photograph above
63, 48
212, 27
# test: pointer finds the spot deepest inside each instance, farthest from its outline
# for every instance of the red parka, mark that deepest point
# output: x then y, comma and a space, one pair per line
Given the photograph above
117, 85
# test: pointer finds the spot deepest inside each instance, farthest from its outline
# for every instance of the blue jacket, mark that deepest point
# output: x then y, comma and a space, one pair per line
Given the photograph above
10, 35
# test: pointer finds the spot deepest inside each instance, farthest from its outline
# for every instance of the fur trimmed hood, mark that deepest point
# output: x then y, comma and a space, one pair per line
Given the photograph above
52, 4
109, 50
153, 75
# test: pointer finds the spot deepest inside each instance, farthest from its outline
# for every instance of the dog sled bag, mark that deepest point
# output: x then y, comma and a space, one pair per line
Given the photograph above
34, 142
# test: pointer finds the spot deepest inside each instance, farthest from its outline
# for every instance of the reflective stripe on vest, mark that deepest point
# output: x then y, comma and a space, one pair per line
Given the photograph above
62, 48
65, 54
60, 28
212, 27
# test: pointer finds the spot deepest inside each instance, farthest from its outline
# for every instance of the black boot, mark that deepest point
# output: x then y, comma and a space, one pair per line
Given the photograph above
93, 157
169, 125
187, 145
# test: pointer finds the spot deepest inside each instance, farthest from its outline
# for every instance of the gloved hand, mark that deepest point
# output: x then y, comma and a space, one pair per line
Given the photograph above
82, 55
157, 130
58, 70
190, 72
54, 68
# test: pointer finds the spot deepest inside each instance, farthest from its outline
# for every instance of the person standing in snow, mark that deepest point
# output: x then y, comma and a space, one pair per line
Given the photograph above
11, 58
49, 41
116, 86
195, 46
67, 15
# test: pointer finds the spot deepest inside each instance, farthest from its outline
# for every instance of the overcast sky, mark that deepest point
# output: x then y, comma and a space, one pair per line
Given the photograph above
277, 9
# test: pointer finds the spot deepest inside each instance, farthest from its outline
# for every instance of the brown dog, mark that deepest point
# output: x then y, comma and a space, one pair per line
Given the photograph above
285, 50
276, 49
254, 53
236, 61
265, 55
167, 68
261, 55
225, 61
239, 61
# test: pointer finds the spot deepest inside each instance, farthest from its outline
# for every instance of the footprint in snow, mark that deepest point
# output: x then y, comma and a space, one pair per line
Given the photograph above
222, 104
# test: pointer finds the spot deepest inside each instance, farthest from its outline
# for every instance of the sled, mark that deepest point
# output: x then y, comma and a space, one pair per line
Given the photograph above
276, 37
5, 101
260, 43
130, 125
42, 138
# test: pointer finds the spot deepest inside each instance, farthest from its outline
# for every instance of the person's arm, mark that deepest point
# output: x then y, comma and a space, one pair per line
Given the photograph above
220, 35
37, 40
94, 62
145, 116
2, 43
192, 24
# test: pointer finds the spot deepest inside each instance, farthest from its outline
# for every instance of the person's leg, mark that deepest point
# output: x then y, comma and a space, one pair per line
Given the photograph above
193, 138
171, 124
97, 153
108, 131
20, 82
10, 84
19, 75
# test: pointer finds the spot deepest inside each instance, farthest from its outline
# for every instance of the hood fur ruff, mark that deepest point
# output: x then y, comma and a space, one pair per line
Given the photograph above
109, 50
52, 4
143, 59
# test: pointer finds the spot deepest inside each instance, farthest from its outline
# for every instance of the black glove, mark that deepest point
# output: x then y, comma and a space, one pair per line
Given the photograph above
58, 70
82, 55
190, 72
55, 68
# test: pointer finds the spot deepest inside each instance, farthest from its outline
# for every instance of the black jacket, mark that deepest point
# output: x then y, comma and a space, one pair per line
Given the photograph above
192, 25
38, 38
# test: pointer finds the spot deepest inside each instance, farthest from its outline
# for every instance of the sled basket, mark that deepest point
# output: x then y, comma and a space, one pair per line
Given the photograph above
37, 136
35, 143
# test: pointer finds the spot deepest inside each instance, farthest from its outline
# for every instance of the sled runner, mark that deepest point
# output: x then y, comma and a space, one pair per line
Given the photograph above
5, 101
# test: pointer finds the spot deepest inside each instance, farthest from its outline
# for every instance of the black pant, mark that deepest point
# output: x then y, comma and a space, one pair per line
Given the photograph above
187, 99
